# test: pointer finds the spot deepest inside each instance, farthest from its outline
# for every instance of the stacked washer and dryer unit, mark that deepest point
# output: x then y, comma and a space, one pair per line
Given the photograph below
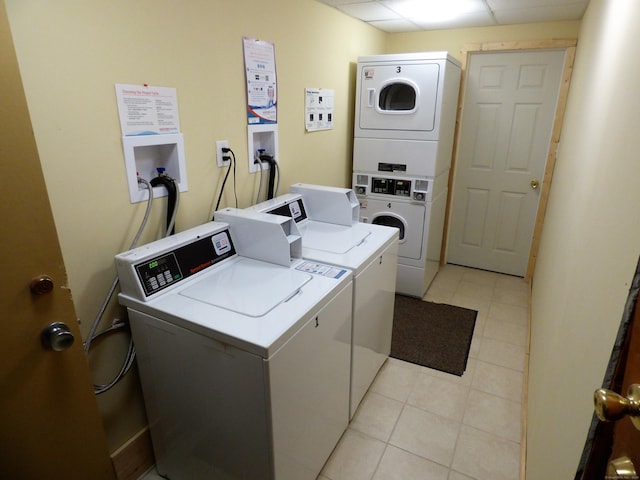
403, 139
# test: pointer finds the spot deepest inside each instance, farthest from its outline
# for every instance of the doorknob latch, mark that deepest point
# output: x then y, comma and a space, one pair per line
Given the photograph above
57, 337
534, 184
610, 406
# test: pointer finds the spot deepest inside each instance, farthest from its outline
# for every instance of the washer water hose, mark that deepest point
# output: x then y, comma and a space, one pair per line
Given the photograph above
172, 203
273, 169
172, 209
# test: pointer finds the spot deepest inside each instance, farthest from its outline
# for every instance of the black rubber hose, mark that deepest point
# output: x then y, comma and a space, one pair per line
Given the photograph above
272, 173
170, 185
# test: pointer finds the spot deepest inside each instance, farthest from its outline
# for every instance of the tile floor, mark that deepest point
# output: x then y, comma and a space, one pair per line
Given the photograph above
416, 423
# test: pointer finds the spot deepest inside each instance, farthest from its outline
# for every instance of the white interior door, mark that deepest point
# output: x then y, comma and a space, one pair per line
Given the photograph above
508, 113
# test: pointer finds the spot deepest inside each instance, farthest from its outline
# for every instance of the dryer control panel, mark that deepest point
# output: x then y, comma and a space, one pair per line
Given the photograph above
391, 186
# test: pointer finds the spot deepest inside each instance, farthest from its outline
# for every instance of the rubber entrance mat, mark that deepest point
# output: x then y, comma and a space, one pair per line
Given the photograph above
433, 335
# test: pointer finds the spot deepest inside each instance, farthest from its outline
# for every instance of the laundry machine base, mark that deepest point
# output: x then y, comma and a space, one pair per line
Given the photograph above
414, 281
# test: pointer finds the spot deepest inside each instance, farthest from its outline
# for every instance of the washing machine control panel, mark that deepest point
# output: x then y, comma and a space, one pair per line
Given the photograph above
167, 269
391, 186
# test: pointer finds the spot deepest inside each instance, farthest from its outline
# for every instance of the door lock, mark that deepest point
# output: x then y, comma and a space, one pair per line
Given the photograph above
57, 337
41, 285
534, 184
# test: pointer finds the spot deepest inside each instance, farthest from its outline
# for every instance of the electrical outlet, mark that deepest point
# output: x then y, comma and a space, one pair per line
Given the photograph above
220, 144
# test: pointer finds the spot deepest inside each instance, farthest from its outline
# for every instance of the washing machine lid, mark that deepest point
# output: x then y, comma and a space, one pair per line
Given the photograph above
266, 285
328, 237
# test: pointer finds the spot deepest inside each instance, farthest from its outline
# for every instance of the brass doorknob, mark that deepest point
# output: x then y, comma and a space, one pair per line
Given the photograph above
610, 406
534, 184
621, 467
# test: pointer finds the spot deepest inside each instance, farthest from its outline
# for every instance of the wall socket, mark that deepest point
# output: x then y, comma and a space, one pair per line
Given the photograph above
220, 144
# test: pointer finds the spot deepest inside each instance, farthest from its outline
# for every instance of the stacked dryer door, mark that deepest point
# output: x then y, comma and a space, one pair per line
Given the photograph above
403, 140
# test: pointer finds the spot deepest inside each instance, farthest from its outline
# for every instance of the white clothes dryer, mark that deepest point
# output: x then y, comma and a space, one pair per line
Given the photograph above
369, 251
244, 364
416, 207
405, 113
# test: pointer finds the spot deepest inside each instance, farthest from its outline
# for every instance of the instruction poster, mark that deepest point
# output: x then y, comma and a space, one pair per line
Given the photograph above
262, 89
147, 110
318, 109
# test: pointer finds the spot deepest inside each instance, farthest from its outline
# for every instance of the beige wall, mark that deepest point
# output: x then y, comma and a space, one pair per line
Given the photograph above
453, 41
589, 247
72, 53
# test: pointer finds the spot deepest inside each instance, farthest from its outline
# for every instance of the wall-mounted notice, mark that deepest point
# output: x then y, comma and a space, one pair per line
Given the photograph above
262, 89
147, 110
318, 109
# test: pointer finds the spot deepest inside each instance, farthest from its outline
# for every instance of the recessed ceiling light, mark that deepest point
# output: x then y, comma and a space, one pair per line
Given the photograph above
433, 10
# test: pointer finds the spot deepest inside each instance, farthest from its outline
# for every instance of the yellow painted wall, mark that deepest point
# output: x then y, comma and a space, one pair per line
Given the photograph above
589, 248
454, 40
71, 54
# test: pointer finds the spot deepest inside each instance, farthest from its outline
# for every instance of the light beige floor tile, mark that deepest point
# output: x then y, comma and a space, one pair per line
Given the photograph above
449, 275
426, 434
511, 296
494, 415
502, 353
509, 313
500, 381
439, 396
481, 323
474, 349
376, 416
152, 474
453, 475
486, 457
509, 332
465, 379
482, 277
439, 295
509, 282
397, 464
355, 458
480, 305
395, 379
482, 291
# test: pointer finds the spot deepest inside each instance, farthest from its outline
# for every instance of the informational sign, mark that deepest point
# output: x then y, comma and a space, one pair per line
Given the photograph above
147, 110
262, 88
318, 109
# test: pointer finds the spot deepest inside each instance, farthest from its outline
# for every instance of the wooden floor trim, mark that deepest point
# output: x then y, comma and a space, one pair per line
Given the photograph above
135, 457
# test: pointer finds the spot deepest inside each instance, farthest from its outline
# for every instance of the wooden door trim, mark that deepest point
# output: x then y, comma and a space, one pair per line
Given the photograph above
569, 45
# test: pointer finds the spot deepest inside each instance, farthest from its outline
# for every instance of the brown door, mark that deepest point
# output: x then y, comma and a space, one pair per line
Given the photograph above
617, 441
50, 427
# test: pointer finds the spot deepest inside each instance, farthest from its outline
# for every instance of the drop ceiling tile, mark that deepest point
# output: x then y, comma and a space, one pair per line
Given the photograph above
369, 11
395, 26
539, 14
478, 19
513, 4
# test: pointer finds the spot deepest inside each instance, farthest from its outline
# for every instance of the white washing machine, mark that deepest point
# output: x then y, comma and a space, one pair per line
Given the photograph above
416, 207
327, 219
405, 113
244, 364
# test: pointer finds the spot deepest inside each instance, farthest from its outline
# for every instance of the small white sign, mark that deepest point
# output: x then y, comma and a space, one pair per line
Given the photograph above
318, 109
147, 110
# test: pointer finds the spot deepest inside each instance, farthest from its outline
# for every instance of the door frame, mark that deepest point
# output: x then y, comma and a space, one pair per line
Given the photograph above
569, 45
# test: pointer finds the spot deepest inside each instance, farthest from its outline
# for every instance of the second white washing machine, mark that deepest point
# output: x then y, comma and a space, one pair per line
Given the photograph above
327, 219
244, 363
416, 207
